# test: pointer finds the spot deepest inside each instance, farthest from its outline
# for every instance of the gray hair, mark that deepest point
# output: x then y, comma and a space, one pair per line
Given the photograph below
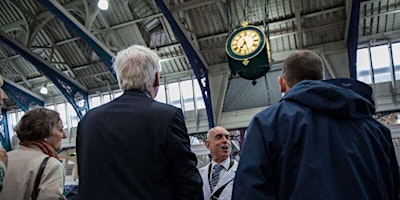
136, 67
36, 124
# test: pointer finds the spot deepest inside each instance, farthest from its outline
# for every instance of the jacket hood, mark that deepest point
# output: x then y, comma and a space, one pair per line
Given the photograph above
339, 98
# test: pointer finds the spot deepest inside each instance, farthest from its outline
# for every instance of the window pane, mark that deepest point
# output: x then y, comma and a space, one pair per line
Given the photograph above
106, 98
161, 94
381, 63
187, 94
73, 116
94, 102
51, 107
63, 115
117, 94
396, 59
13, 122
20, 114
199, 97
174, 95
13, 119
363, 66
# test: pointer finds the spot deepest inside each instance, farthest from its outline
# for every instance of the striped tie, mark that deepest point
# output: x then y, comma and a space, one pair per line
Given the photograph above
215, 176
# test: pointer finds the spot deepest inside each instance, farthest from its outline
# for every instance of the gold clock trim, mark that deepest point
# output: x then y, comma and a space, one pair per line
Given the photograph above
245, 42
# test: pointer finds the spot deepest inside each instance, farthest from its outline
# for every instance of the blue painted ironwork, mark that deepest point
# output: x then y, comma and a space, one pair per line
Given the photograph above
4, 135
21, 97
352, 38
72, 90
197, 64
103, 52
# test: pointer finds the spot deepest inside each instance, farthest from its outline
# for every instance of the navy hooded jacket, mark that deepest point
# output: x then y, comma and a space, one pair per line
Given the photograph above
318, 142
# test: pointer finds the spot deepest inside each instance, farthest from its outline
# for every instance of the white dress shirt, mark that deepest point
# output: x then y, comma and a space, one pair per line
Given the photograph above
224, 163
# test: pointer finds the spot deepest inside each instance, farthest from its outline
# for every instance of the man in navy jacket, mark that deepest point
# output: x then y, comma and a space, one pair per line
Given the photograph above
318, 142
135, 147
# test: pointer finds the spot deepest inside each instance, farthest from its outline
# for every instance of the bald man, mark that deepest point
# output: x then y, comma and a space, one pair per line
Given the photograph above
219, 174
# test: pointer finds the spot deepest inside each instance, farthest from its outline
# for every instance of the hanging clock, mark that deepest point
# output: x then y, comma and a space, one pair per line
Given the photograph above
248, 52
245, 43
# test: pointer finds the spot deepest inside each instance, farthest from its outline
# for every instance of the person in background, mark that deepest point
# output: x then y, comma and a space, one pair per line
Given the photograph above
218, 175
135, 147
3, 164
3, 153
236, 155
318, 142
40, 131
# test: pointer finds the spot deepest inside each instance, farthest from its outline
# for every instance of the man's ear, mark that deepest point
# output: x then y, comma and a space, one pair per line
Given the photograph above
156, 80
282, 84
207, 143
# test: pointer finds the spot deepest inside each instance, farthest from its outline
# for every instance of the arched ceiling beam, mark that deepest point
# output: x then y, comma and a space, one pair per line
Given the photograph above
24, 98
167, 30
53, 46
16, 67
90, 16
44, 17
99, 31
18, 24
136, 28
74, 92
101, 50
24, 22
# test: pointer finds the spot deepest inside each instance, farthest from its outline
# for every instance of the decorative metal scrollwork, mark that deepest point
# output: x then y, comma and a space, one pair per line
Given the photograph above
79, 100
67, 88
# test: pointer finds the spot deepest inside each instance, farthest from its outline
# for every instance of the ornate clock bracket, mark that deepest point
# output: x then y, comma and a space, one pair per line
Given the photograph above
246, 62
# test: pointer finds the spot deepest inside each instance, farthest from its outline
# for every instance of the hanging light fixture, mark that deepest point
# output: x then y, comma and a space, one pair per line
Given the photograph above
103, 4
44, 89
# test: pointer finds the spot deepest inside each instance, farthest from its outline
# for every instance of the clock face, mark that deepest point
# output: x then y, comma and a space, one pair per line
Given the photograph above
245, 43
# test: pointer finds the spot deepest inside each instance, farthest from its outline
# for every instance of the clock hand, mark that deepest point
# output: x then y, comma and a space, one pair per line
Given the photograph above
247, 42
244, 43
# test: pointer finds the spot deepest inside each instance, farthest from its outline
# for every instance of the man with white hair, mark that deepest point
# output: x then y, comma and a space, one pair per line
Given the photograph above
135, 147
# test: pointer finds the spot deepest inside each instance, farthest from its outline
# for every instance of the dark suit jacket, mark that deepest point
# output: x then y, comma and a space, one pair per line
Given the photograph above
136, 148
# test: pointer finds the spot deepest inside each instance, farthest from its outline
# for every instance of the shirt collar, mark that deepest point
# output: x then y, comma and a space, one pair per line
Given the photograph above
139, 91
224, 163
146, 93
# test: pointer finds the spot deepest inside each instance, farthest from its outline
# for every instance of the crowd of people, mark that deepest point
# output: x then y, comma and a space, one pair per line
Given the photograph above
319, 141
